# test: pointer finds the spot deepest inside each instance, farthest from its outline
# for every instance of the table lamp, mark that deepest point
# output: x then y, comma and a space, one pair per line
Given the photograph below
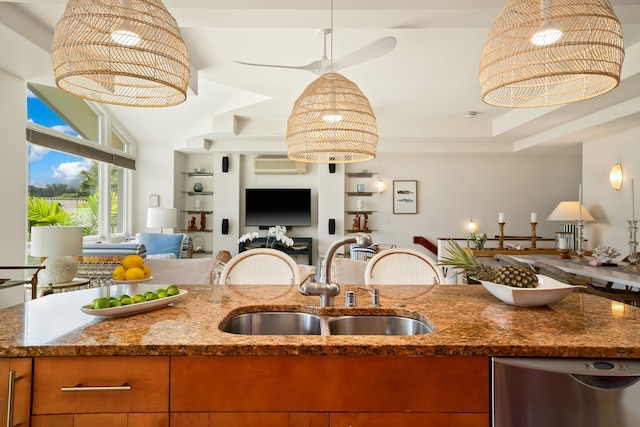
568, 212
58, 245
162, 218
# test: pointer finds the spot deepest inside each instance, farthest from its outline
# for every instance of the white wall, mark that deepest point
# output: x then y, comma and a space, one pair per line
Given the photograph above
610, 208
13, 169
452, 188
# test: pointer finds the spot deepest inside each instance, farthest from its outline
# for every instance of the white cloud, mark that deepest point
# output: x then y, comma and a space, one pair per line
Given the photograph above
37, 152
69, 172
64, 129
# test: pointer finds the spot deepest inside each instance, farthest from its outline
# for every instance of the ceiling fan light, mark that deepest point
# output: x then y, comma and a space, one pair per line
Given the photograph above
311, 138
122, 52
586, 61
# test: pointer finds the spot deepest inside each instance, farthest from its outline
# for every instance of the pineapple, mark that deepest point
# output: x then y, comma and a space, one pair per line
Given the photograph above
508, 275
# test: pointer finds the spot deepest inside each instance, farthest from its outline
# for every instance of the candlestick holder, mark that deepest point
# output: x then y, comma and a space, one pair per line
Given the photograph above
501, 240
633, 246
533, 235
580, 240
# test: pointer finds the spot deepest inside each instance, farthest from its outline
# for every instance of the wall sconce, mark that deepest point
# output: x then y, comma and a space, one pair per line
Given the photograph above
472, 226
615, 177
380, 187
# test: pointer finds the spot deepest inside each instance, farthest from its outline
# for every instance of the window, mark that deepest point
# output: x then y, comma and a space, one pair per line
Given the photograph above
77, 160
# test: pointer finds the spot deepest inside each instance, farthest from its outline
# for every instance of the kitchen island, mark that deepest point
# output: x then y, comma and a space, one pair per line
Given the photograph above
203, 376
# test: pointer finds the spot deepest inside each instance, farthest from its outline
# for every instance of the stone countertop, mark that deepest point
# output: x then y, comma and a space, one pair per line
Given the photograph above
468, 321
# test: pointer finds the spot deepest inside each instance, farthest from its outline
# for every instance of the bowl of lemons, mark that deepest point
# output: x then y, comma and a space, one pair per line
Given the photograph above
131, 270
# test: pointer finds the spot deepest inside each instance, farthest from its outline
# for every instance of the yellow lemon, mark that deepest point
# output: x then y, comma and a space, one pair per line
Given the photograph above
118, 273
134, 273
131, 261
147, 271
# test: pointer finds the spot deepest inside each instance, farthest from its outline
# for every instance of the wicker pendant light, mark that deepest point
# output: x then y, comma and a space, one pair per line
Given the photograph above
332, 122
551, 52
123, 52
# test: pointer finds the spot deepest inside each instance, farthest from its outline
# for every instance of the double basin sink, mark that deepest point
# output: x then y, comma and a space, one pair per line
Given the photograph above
296, 323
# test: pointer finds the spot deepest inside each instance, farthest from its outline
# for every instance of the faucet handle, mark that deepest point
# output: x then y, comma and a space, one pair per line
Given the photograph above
375, 296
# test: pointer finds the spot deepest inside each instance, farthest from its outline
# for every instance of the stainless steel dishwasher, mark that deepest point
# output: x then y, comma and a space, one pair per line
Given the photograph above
539, 392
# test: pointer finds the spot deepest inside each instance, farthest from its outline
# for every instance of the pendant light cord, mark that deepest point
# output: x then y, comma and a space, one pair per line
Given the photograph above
331, 53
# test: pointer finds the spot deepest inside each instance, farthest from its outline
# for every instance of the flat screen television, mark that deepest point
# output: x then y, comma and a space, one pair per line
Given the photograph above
289, 207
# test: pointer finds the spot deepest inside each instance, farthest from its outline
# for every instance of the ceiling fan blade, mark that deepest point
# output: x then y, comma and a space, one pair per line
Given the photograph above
313, 66
374, 50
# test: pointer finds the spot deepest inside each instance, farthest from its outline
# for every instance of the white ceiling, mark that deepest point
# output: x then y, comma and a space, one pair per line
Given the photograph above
419, 92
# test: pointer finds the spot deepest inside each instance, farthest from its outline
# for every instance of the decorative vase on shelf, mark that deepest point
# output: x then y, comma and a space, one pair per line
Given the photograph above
197, 187
196, 204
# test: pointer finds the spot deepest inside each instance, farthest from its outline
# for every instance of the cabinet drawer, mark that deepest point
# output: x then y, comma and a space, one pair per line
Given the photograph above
100, 384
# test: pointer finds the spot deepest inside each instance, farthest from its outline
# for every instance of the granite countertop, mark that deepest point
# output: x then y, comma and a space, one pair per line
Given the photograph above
468, 322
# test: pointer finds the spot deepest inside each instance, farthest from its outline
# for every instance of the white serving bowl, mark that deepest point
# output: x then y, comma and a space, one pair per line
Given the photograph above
549, 291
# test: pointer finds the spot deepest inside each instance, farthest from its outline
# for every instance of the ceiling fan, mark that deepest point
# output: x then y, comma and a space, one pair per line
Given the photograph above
374, 50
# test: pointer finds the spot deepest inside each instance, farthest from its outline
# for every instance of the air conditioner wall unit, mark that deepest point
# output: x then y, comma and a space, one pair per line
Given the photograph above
278, 165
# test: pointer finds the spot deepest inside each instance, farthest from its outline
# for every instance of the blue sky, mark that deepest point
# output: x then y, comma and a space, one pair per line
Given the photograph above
49, 166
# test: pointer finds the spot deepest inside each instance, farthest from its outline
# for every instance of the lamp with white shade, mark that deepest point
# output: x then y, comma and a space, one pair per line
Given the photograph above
162, 218
568, 212
58, 245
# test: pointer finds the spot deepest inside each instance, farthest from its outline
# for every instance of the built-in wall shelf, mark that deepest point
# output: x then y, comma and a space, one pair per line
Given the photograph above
198, 212
360, 174
201, 174
359, 212
360, 193
199, 193
360, 231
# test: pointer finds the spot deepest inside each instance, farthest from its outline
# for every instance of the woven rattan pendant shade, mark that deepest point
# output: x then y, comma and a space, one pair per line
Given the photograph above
332, 122
585, 62
123, 52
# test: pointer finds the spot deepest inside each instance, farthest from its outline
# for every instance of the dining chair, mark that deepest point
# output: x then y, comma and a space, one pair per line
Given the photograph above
261, 266
400, 266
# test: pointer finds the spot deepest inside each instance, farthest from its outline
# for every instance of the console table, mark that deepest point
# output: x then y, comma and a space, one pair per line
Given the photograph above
302, 246
609, 276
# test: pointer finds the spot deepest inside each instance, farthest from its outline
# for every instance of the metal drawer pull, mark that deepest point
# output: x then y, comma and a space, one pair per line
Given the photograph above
80, 387
10, 397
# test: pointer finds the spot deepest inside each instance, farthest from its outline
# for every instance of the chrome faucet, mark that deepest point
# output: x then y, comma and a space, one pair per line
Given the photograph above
325, 289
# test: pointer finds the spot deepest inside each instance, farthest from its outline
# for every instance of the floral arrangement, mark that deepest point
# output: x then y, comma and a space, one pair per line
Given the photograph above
478, 239
277, 233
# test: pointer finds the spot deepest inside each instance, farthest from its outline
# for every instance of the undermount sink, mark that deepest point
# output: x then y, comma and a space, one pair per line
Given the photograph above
377, 325
294, 323
274, 323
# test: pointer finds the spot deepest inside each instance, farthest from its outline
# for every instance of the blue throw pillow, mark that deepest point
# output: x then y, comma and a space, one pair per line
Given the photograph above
157, 243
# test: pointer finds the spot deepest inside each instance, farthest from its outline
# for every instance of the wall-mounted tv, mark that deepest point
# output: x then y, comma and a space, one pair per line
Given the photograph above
289, 207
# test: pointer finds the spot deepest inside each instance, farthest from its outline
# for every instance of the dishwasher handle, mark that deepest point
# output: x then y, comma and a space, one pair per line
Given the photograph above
605, 383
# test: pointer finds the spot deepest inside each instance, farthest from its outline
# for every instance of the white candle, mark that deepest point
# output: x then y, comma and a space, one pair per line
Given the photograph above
534, 217
580, 202
633, 202
562, 243
501, 217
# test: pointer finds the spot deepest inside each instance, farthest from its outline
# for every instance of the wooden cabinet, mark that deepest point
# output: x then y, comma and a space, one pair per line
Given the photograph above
355, 391
252, 391
15, 391
101, 391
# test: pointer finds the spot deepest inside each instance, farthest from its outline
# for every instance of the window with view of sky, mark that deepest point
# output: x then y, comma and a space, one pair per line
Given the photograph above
46, 166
